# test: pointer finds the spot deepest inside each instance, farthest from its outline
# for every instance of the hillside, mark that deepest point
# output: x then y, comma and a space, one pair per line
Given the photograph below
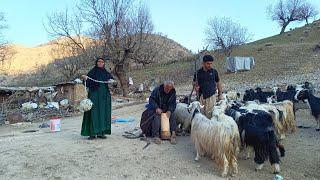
281, 59
28, 60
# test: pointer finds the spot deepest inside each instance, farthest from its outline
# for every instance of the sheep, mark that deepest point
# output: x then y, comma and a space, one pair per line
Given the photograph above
183, 117
314, 103
215, 138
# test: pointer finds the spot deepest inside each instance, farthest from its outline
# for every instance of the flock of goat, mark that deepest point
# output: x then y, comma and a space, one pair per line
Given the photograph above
259, 121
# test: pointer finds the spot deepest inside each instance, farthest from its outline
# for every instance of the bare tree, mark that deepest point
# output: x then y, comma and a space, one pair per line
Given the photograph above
4, 50
152, 50
117, 29
224, 34
285, 12
308, 11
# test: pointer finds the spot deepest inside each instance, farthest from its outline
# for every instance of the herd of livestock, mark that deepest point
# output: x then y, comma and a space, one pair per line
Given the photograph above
259, 121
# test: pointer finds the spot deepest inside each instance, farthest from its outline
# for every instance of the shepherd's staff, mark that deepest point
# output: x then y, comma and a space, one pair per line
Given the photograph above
194, 83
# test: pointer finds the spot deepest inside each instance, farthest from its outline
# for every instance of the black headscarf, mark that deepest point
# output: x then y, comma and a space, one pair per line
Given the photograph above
97, 73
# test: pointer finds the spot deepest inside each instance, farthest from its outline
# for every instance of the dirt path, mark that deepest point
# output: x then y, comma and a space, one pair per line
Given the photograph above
67, 155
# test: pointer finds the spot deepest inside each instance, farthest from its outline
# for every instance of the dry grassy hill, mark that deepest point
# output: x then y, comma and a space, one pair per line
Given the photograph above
28, 60
281, 59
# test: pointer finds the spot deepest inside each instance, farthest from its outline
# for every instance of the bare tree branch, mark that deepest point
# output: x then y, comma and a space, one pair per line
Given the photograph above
116, 29
5, 51
286, 11
308, 11
224, 34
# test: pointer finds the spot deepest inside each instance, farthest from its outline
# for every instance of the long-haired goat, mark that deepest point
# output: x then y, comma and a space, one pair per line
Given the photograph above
215, 138
314, 103
258, 131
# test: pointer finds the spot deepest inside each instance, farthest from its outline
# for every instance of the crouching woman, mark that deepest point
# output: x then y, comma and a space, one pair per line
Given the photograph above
97, 121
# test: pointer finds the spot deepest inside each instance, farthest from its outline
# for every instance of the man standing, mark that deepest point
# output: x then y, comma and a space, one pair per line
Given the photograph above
207, 81
163, 100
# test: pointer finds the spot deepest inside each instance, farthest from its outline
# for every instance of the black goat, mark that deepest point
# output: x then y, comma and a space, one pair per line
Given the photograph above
259, 133
314, 103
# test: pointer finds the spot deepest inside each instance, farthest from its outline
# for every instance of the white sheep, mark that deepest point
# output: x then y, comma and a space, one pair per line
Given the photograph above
183, 117
216, 138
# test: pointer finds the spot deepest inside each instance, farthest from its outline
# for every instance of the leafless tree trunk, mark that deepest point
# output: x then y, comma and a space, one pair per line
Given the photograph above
308, 11
5, 52
116, 29
224, 34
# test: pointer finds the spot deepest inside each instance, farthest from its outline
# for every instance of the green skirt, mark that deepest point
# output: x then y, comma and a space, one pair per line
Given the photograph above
97, 121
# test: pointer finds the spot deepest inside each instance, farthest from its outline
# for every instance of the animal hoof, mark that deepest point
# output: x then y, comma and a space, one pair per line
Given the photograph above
259, 167
223, 174
196, 159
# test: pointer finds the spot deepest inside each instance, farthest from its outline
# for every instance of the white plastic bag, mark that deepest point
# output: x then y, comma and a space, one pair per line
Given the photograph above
86, 104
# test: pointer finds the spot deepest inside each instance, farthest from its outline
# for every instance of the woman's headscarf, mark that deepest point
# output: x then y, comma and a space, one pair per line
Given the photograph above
98, 73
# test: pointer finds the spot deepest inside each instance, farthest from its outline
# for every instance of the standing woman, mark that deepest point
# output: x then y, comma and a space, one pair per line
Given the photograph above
97, 121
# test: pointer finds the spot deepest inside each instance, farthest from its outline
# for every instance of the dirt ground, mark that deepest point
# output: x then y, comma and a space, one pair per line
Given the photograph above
67, 155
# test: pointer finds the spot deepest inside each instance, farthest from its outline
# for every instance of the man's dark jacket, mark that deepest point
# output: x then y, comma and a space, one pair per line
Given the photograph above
159, 99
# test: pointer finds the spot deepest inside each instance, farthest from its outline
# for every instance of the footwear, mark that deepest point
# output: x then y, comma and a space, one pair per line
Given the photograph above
102, 137
91, 137
157, 140
173, 138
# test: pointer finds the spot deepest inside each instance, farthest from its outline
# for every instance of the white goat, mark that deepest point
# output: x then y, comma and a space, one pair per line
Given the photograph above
216, 138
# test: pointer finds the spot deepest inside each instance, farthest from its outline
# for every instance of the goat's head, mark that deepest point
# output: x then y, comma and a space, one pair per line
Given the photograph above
249, 95
272, 99
302, 94
196, 105
275, 89
258, 89
185, 100
291, 88
219, 108
299, 87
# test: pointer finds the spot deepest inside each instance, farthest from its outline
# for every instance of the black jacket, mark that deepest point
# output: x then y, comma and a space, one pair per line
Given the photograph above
159, 99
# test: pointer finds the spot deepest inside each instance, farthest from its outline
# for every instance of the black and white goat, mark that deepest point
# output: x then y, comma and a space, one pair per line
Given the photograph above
258, 131
261, 96
314, 103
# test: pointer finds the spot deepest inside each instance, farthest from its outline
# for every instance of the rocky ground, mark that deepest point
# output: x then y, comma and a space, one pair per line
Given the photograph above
67, 155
